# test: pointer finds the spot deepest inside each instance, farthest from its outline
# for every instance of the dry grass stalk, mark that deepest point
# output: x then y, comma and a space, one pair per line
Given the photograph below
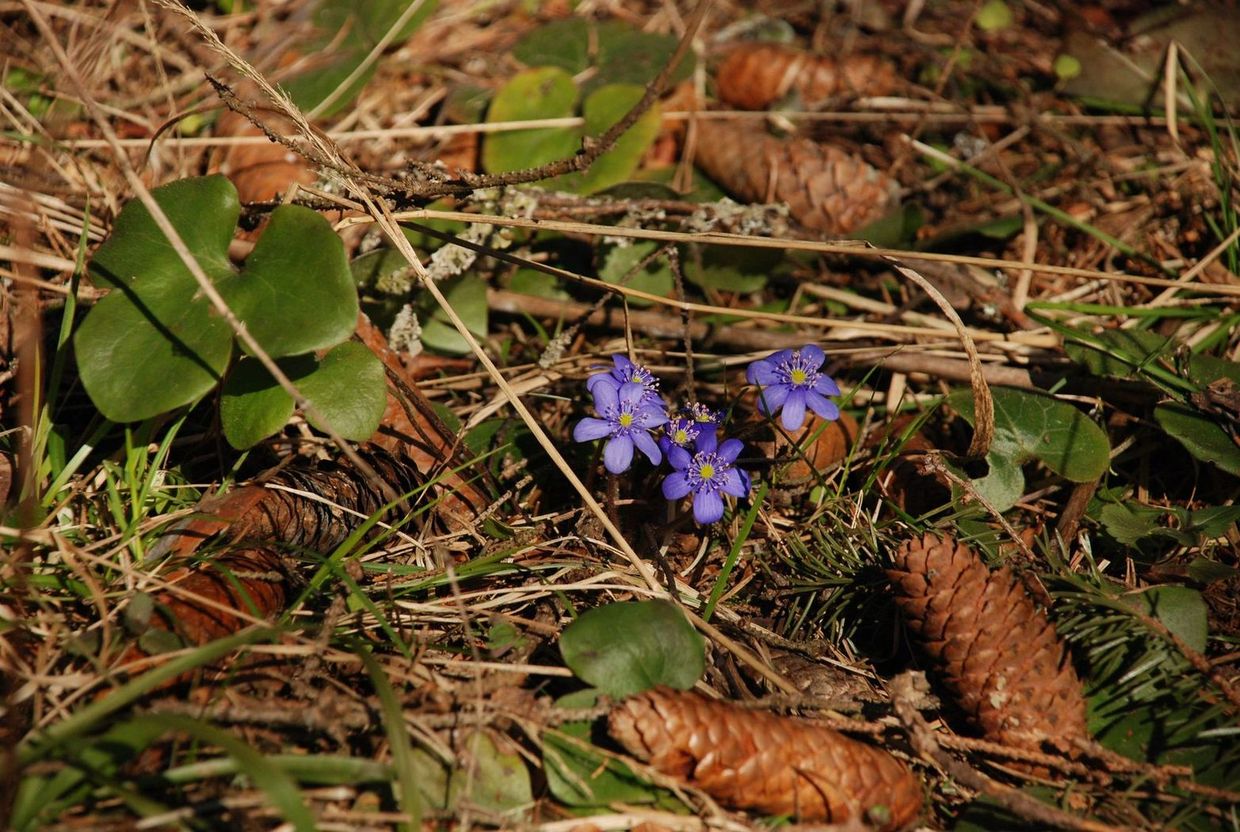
997, 652
764, 762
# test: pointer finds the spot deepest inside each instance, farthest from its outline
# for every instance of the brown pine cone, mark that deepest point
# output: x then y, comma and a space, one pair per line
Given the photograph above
827, 189
755, 75
999, 655
764, 762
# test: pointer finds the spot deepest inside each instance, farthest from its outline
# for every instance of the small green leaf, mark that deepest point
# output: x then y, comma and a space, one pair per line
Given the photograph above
539, 284
468, 296
627, 55
602, 109
563, 43
347, 387
1129, 523
1066, 67
1119, 351
138, 612
547, 92
1004, 482
252, 405
731, 269
1202, 436
993, 16
580, 775
500, 781
1181, 609
655, 277
626, 648
349, 30
296, 292
349, 390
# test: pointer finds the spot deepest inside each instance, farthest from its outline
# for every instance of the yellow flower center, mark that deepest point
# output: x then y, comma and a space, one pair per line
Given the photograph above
626, 420
798, 376
682, 436
706, 471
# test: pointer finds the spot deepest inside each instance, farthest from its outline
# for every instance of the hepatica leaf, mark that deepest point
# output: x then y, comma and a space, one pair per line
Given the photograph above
1029, 426
295, 292
346, 388
629, 647
1202, 436
602, 109
155, 343
546, 92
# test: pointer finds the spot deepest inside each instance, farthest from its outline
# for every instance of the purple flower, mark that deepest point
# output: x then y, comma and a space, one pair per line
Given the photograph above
704, 474
627, 417
792, 380
683, 428
626, 372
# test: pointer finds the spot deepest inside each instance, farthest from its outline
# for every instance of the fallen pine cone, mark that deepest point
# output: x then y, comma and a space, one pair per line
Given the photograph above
755, 75
998, 654
827, 190
764, 762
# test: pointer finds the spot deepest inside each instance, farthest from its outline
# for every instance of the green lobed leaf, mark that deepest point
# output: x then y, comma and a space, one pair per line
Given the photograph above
731, 269
580, 775
351, 29
626, 648
1204, 438
252, 405
500, 781
627, 55
1032, 426
349, 390
154, 343
1181, 609
603, 108
546, 92
295, 293
655, 277
468, 296
347, 387
561, 43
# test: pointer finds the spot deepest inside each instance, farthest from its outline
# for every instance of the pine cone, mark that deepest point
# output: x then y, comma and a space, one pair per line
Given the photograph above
827, 189
768, 763
755, 75
998, 653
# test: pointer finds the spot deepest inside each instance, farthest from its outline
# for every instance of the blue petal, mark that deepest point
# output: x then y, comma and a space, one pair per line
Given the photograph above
590, 428
826, 409
679, 458
631, 392
601, 378
706, 442
826, 386
665, 444
730, 450
618, 454
623, 365
761, 371
771, 399
707, 507
813, 355
794, 411
734, 483
645, 443
676, 486
606, 396
655, 415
